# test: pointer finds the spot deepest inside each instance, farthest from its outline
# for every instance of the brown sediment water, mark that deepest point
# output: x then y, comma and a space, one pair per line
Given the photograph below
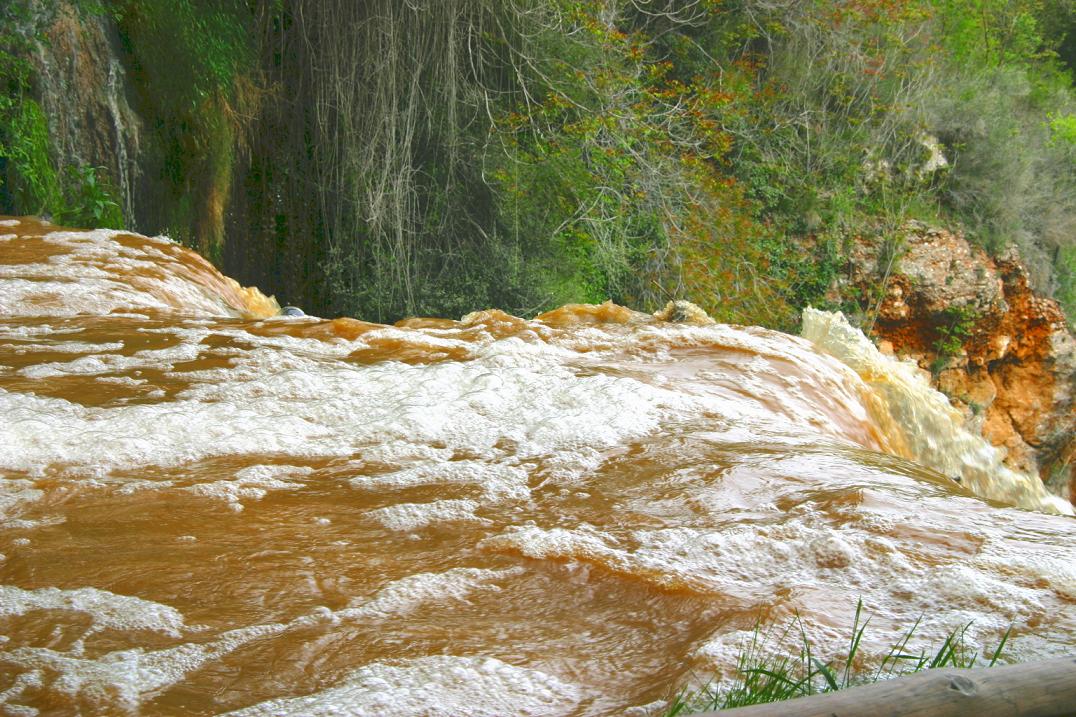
209, 509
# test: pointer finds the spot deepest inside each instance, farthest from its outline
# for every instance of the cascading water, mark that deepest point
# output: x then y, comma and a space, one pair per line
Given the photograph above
207, 509
920, 420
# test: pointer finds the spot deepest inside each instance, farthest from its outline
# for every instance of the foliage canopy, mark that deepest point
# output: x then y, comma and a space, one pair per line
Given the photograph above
383, 159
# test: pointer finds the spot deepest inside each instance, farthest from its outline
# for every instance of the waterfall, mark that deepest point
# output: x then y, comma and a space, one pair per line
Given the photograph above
921, 421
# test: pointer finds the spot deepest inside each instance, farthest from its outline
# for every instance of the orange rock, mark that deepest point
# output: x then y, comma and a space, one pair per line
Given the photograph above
1016, 370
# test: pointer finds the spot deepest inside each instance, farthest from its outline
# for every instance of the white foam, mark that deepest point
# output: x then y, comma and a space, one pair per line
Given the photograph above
406, 517
498, 397
99, 440
69, 347
515, 403
308, 405
187, 350
496, 481
582, 543
930, 427
121, 380
16, 494
26, 524
748, 562
252, 483
418, 339
33, 331
121, 680
405, 595
436, 686
554, 405
70, 298
108, 610
400, 453
1036, 565
969, 575
99, 275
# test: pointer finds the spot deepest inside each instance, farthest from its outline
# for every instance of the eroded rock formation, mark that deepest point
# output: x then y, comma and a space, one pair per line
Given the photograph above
1003, 354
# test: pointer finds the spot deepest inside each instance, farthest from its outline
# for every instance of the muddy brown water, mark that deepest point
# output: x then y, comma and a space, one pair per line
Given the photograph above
207, 509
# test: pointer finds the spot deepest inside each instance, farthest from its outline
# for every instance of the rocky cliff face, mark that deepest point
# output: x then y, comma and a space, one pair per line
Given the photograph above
1003, 355
83, 90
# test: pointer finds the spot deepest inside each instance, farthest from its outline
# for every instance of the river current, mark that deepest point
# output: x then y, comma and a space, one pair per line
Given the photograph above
206, 508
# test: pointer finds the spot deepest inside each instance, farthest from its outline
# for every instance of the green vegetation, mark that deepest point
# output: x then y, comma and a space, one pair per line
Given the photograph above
193, 63
27, 178
955, 326
381, 159
766, 672
88, 201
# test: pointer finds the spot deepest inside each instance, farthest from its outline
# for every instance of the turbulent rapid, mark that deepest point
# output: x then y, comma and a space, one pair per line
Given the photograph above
207, 508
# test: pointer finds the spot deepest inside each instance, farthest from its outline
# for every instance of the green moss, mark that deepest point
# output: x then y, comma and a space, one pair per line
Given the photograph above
31, 184
89, 201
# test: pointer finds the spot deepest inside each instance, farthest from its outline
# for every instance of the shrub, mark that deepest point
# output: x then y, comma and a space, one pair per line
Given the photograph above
88, 200
28, 182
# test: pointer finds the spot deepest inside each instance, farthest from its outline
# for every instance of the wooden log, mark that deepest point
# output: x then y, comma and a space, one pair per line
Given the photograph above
1030, 689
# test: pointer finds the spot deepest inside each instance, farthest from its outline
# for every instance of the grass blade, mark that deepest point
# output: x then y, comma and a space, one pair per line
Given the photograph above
1001, 645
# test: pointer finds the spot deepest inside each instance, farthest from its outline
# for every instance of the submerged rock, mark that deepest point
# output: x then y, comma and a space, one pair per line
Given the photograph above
683, 312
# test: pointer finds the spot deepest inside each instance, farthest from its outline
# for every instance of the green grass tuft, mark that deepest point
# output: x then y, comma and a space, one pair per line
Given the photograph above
766, 673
